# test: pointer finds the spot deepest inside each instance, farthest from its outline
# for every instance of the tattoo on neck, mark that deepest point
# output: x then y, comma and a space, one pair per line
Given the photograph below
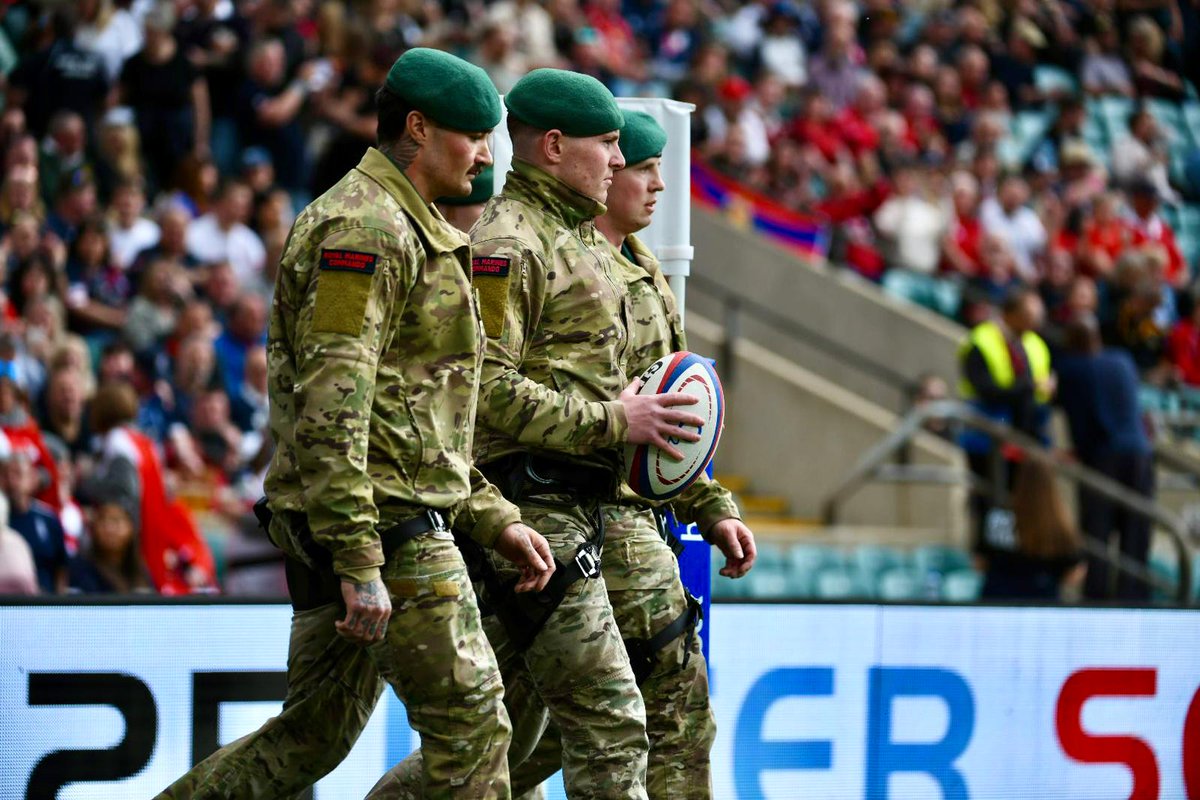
402, 151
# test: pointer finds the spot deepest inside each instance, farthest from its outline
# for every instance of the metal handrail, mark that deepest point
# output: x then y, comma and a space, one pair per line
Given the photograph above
733, 303
872, 464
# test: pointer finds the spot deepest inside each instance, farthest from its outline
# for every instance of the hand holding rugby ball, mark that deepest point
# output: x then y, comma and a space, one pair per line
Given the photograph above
648, 470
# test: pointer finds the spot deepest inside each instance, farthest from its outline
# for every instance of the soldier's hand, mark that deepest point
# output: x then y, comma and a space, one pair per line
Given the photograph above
368, 609
528, 549
736, 543
653, 418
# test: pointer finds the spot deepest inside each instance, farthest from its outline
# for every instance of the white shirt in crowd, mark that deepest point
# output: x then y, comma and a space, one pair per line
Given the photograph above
915, 227
126, 243
1023, 232
754, 132
117, 41
1133, 160
239, 245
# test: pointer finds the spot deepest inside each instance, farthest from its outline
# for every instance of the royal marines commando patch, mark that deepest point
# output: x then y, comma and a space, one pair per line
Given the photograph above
343, 289
489, 274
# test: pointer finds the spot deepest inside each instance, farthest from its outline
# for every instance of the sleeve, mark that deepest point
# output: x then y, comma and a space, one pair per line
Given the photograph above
706, 502
342, 327
485, 513
512, 288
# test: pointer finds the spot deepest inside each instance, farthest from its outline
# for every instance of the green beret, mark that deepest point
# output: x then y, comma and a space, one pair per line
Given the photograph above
576, 104
451, 91
482, 188
641, 137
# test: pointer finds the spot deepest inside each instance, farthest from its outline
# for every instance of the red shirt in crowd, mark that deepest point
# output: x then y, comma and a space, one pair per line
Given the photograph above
967, 233
1155, 230
1183, 348
856, 131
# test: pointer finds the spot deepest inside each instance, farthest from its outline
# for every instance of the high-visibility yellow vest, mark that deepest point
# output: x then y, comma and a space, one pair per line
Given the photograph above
989, 340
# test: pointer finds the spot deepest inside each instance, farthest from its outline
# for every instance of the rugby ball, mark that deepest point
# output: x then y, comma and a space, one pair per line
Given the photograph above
649, 471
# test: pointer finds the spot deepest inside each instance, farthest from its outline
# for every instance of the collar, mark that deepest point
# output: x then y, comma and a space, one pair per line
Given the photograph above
642, 257
439, 235
538, 188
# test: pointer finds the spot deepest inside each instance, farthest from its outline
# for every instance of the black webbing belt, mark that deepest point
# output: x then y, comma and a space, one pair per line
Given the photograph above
312, 588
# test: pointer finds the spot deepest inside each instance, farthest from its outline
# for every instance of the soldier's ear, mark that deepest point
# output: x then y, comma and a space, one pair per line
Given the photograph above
417, 126
553, 146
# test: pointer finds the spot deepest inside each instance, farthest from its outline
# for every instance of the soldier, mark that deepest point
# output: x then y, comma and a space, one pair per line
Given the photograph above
553, 411
654, 612
375, 349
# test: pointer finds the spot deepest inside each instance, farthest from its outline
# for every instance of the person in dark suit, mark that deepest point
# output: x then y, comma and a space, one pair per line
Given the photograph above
1098, 391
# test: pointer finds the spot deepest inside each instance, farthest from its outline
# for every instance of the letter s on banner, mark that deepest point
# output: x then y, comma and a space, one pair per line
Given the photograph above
1082, 746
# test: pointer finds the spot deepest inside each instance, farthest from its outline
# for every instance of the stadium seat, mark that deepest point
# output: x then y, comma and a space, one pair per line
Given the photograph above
1053, 79
837, 583
939, 558
870, 560
962, 586
1167, 114
1115, 112
770, 556
1165, 567
726, 588
766, 584
900, 583
1191, 119
804, 562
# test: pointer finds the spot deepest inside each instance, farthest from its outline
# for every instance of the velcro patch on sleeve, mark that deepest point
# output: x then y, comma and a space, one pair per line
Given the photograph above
489, 267
349, 261
341, 303
489, 274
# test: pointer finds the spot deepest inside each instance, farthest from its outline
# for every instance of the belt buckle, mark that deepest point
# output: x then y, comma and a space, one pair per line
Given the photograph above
437, 520
588, 561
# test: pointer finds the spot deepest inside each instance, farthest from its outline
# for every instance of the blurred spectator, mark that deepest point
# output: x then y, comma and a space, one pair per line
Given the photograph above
1149, 228
733, 112
18, 573
1153, 70
171, 246
1142, 156
97, 288
269, 108
912, 222
36, 522
154, 311
498, 56
964, 234
1103, 70
110, 32
780, 51
248, 408
25, 437
1098, 390
1183, 346
58, 75
168, 95
1014, 65
219, 440
1008, 217
74, 201
833, 71
1105, 236
19, 194
534, 29
222, 234
246, 329
62, 153
1135, 330
130, 472
64, 423
111, 563
129, 232
118, 151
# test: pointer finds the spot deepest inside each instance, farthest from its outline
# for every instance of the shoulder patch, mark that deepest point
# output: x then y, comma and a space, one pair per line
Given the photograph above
490, 266
492, 292
349, 261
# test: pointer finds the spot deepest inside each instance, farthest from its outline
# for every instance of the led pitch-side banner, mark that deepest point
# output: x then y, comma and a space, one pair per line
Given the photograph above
812, 701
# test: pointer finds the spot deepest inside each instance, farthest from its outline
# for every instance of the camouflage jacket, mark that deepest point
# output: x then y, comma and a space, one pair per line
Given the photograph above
555, 315
656, 330
374, 349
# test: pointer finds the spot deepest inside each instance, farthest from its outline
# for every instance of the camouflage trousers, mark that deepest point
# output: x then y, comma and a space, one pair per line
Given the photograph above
437, 660
647, 595
575, 675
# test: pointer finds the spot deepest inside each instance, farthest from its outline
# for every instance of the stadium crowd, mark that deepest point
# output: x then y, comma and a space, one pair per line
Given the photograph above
154, 155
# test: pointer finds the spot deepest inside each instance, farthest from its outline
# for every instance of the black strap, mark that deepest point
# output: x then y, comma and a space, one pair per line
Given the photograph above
522, 475
428, 520
643, 653
664, 530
